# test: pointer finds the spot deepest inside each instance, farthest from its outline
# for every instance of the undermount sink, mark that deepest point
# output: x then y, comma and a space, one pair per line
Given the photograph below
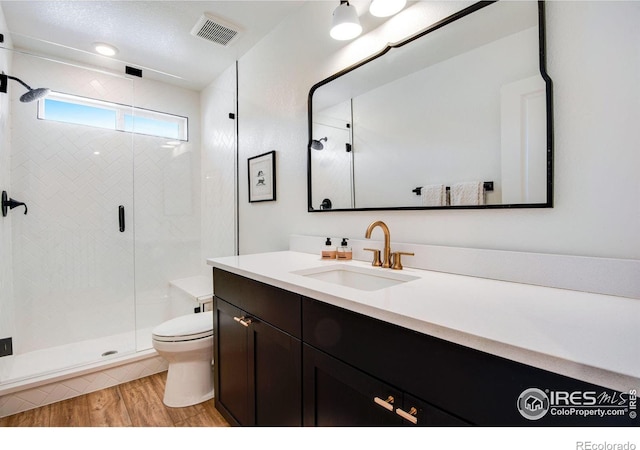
365, 279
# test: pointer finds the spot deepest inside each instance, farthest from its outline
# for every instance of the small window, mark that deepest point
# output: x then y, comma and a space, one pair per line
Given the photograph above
80, 114
100, 114
152, 126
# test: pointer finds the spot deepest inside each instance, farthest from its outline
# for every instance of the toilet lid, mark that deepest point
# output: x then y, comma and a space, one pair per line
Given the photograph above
185, 328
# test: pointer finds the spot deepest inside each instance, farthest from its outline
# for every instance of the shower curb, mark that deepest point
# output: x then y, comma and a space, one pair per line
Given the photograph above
31, 394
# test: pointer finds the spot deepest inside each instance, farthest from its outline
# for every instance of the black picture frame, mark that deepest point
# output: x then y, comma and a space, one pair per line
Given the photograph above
261, 172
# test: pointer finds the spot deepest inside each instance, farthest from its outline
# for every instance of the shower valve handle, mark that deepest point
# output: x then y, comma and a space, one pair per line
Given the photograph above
9, 203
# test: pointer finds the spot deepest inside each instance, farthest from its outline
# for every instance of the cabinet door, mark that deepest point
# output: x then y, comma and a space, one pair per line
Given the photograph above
231, 364
336, 394
275, 375
258, 370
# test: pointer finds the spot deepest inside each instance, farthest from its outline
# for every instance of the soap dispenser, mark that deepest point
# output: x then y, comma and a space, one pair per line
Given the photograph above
344, 251
328, 251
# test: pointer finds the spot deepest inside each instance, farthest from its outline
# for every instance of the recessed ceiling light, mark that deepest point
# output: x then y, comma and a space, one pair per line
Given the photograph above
105, 49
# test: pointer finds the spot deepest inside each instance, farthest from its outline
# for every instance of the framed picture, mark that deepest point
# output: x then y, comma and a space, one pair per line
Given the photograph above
262, 177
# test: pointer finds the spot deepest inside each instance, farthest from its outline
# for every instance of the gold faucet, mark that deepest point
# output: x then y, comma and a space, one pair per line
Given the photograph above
386, 259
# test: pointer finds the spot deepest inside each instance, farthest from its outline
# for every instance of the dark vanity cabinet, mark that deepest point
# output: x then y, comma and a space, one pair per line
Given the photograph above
343, 382
281, 359
337, 394
266, 376
257, 353
443, 383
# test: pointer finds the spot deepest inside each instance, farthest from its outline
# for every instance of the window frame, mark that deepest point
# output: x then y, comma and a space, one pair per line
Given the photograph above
121, 112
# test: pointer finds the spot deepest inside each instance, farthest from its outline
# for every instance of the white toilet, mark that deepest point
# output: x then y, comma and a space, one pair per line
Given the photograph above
186, 342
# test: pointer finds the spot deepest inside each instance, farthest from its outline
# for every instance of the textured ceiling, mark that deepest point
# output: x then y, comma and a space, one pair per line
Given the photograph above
152, 35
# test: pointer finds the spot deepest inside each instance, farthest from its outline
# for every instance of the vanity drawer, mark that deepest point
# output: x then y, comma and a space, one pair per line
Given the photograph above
280, 308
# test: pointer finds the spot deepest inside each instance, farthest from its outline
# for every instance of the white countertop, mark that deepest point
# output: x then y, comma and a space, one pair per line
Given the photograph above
591, 337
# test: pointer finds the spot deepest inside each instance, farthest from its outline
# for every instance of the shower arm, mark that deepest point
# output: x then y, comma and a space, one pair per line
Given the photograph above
19, 81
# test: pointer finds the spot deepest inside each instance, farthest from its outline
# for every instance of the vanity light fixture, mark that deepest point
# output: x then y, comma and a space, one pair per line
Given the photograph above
105, 49
386, 8
345, 24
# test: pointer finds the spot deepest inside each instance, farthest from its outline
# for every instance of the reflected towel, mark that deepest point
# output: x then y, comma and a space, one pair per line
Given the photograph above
469, 193
434, 195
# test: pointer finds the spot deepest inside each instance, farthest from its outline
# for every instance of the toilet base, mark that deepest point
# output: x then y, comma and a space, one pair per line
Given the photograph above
188, 383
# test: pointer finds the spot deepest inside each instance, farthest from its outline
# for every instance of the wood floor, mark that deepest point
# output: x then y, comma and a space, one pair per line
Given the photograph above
134, 404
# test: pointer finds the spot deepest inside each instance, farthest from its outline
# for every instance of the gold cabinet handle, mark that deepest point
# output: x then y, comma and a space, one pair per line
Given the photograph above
386, 404
409, 416
376, 256
397, 263
244, 321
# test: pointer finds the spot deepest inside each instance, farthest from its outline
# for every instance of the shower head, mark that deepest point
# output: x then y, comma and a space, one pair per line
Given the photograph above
29, 96
34, 94
317, 144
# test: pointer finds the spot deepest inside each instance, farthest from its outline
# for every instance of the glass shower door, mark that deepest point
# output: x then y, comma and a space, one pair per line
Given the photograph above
72, 258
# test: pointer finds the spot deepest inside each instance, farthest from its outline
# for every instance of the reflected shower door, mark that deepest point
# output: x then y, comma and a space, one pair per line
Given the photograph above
73, 253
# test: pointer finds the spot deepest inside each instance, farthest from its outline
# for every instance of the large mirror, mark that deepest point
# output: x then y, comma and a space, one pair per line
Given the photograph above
456, 116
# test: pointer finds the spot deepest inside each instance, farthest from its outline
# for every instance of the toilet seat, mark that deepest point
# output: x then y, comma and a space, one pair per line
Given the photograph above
185, 328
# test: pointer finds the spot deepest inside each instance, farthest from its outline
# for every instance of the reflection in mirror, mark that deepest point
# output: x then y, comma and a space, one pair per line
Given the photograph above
458, 116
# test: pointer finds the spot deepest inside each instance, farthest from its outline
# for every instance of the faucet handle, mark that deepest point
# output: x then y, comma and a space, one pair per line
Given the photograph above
397, 263
376, 256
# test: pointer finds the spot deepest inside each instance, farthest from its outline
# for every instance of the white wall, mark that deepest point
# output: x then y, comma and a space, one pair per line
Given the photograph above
594, 62
218, 160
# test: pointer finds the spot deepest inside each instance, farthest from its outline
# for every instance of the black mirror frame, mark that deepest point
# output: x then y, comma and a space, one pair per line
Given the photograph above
452, 18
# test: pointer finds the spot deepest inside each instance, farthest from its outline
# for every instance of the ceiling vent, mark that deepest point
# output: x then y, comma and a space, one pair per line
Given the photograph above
216, 30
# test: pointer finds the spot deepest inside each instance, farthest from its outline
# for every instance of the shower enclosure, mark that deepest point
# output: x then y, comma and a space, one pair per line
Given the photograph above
113, 213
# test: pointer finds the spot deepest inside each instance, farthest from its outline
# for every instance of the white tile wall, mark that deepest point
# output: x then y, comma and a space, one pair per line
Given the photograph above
73, 271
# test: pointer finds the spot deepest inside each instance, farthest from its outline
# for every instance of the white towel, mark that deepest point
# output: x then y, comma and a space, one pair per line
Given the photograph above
434, 195
469, 193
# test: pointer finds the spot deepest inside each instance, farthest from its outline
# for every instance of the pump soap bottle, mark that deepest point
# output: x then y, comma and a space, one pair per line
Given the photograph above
328, 251
344, 251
